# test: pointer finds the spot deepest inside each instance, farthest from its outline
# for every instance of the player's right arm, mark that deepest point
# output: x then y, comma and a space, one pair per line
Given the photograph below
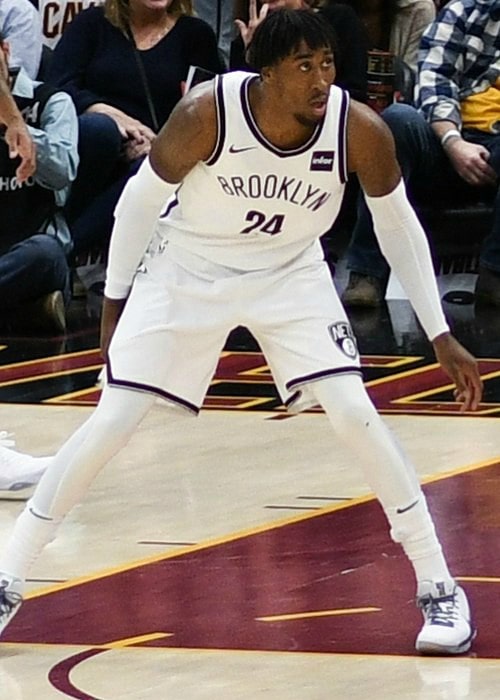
188, 137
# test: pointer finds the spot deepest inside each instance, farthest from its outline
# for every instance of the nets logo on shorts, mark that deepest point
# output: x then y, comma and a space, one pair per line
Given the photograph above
322, 160
343, 336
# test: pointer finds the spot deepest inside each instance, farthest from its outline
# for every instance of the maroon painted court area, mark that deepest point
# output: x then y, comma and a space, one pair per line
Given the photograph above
211, 597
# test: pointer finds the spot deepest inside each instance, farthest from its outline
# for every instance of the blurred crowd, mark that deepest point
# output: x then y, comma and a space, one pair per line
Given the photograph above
86, 85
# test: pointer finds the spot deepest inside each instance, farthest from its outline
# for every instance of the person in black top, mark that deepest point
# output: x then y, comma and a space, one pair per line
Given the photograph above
124, 65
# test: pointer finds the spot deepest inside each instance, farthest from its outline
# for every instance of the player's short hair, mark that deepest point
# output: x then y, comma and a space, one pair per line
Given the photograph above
280, 34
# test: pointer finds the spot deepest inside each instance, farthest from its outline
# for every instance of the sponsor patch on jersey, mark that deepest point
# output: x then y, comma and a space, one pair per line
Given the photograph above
343, 336
322, 160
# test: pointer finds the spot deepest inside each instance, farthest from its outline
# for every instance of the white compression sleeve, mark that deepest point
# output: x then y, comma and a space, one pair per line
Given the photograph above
141, 203
404, 244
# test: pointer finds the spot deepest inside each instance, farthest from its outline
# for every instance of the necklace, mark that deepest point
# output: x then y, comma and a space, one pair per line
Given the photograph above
147, 37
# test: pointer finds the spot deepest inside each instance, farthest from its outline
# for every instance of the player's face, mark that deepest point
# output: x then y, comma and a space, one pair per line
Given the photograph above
302, 82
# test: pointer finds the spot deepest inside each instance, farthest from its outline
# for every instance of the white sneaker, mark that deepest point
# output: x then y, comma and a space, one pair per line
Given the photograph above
18, 470
11, 597
447, 621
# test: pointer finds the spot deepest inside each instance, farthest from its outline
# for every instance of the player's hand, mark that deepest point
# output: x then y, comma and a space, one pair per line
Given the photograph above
20, 143
254, 19
462, 368
111, 312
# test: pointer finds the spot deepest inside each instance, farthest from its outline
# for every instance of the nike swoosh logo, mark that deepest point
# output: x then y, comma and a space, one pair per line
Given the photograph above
404, 510
234, 149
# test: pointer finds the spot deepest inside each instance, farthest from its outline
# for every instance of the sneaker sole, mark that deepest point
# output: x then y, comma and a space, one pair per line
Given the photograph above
429, 649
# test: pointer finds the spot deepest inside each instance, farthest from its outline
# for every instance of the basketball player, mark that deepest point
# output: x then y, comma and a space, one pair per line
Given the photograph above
219, 228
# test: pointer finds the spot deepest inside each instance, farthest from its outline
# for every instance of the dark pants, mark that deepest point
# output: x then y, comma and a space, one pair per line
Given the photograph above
102, 175
31, 269
427, 171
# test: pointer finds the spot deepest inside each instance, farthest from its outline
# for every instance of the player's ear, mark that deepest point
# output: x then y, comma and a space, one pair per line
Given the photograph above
266, 73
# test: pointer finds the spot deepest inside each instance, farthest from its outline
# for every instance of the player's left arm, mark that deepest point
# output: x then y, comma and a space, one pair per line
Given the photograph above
372, 155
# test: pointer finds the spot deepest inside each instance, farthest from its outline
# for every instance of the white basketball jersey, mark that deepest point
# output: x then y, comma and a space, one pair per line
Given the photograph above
252, 205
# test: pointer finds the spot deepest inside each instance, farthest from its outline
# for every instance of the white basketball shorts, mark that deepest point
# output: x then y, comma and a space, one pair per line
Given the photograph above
182, 308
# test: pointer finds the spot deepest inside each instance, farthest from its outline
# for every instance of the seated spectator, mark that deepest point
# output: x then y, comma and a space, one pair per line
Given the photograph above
350, 57
219, 14
123, 64
450, 145
395, 26
21, 26
15, 133
34, 237
57, 14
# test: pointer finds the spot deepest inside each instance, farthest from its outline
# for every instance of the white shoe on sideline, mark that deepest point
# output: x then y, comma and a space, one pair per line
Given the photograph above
11, 598
18, 470
447, 620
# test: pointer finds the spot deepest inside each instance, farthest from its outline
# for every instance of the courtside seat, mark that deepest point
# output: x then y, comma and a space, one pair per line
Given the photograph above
456, 231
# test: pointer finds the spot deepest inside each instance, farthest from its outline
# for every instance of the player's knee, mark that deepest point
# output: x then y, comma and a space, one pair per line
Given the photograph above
346, 403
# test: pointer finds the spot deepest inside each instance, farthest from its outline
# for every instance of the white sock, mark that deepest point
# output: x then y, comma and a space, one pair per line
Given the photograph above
32, 532
415, 531
387, 470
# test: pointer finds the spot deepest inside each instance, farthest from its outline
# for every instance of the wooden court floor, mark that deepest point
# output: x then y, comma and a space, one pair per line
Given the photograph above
240, 555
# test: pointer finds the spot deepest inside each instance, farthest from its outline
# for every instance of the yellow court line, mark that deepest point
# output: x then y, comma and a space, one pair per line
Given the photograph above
62, 398
479, 579
50, 375
41, 360
317, 613
122, 643
420, 370
436, 390
399, 362
401, 375
43, 646
233, 537
252, 402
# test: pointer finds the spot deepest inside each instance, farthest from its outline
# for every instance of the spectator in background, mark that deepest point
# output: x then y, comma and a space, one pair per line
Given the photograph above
395, 26
15, 134
350, 58
21, 26
34, 237
219, 14
450, 145
57, 14
124, 65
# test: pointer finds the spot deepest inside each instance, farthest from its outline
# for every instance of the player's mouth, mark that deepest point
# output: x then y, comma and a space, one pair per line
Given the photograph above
318, 105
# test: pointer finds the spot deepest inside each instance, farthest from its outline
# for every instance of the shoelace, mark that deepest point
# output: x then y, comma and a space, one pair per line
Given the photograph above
440, 611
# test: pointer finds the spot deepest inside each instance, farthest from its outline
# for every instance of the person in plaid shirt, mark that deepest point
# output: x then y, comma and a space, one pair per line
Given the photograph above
448, 143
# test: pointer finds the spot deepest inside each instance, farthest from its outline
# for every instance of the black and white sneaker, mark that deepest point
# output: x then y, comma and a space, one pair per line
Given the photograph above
447, 620
11, 598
